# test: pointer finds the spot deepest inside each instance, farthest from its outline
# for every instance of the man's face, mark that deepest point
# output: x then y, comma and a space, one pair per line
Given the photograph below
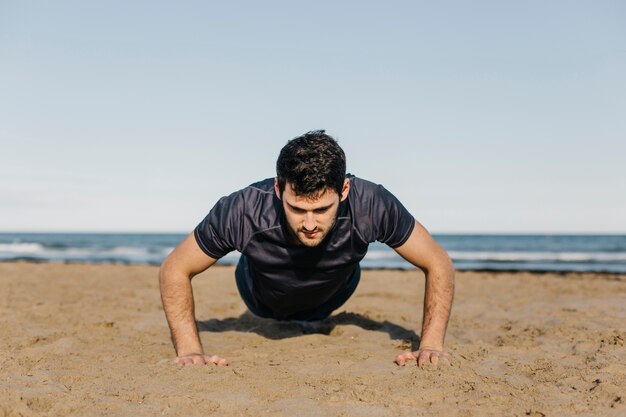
311, 218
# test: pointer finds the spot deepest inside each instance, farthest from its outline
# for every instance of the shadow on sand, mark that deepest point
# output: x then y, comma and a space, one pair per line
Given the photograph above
273, 329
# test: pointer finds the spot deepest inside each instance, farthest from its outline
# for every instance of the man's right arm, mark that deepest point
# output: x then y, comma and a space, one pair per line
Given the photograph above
186, 261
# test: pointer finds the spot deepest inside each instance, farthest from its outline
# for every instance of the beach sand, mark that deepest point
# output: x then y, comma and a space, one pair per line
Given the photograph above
91, 340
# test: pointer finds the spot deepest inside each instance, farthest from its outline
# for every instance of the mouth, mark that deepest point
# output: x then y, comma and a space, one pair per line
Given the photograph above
310, 235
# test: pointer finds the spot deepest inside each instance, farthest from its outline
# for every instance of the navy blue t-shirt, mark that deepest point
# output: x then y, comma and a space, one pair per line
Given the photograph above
288, 277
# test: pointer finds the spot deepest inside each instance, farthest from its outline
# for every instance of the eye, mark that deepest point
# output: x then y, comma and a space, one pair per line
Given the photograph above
321, 210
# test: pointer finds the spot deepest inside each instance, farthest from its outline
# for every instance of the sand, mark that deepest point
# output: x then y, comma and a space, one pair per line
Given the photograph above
91, 340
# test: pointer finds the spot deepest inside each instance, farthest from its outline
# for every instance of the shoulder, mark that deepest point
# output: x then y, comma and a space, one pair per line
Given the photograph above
362, 190
260, 188
251, 194
236, 217
368, 198
255, 205
378, 214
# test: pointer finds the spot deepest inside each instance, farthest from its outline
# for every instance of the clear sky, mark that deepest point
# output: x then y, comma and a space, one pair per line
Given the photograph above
481, 116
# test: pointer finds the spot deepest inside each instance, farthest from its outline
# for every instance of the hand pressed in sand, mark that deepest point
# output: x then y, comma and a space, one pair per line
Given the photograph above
200, 359
423, 356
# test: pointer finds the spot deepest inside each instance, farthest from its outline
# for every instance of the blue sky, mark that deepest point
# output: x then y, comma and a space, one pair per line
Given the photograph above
482, 116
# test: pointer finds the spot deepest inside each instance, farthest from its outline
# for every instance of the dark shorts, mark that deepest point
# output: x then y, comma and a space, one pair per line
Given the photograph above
244, 285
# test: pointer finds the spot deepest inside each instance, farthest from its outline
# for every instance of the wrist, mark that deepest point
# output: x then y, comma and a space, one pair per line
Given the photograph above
431, 347
431, 344
191, 349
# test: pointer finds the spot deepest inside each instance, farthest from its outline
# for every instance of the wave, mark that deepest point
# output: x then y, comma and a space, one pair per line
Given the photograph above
519, 256
21, 247
540, 256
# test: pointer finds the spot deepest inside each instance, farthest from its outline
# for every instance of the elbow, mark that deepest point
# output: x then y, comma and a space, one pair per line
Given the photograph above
441, 266
165, 266
167, 270
172, 270
448, 265
447, 268
440, 277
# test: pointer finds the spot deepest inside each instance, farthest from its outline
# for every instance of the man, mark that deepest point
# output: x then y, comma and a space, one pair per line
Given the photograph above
302, 236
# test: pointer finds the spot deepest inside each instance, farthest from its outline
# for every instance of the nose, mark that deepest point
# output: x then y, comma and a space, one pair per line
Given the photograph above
309, 222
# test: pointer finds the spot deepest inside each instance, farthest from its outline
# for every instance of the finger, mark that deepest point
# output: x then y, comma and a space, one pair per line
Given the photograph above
216, 360
422, 358
434, 358
403, 357
400, 360
182, 360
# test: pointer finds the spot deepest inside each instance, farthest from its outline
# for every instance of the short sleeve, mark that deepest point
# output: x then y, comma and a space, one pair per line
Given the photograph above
221, 230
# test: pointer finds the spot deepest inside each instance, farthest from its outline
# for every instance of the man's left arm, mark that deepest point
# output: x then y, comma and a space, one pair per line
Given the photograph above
425, 253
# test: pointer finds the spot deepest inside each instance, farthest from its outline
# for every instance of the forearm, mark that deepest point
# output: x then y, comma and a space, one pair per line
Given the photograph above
178, 304
438, 296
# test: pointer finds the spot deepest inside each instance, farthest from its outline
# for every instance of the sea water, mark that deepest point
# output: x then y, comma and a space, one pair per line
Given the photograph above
563, 253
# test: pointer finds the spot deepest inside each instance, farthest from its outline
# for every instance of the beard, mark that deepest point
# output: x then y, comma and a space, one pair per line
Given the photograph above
309, 240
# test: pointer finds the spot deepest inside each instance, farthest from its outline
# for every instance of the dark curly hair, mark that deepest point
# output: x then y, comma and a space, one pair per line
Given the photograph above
311, 163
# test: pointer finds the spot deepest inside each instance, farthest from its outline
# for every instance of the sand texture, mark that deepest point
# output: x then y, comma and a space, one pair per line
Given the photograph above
89, 340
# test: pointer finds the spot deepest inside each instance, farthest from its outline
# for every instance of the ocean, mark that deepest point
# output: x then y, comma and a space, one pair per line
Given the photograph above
559, 253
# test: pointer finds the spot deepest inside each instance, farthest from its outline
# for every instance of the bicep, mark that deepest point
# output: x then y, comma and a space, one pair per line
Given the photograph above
188, 258
422, 250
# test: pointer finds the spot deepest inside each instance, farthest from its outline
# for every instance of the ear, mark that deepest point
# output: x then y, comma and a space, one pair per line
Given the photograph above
345, 190
276, 188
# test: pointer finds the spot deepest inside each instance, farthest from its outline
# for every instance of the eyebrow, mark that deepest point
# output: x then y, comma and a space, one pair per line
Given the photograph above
315, 209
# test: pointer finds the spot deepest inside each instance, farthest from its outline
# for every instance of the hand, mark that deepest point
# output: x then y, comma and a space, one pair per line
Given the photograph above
200, 359
423, 356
